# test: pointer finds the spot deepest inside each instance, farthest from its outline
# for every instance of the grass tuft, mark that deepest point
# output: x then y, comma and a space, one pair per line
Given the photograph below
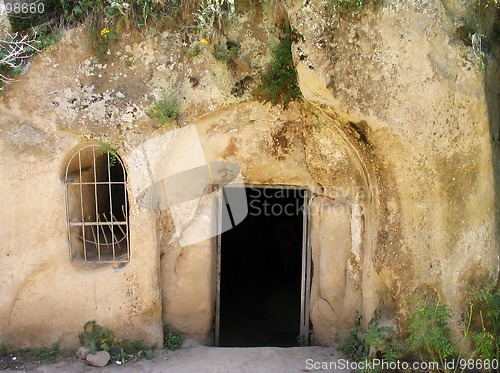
171, 340
166, 109
279, 85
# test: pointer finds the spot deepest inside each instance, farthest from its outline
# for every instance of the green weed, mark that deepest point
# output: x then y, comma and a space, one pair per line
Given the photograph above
484, 312
225, 53
166, 109
193, 50
44, 355
280, 83
352, 7
100, 38
125, 351
96, 337
344, 6
106, 149
48, 37
429, 334
4, 348
171, 340
374, 342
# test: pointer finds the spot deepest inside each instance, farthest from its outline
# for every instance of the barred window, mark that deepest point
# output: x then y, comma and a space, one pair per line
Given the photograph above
97, 206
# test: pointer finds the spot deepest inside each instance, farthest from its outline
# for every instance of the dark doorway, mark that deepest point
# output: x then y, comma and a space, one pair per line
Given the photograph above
261, 269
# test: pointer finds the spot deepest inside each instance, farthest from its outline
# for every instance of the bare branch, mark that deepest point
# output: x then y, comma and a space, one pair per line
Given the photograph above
5, 80
15, 49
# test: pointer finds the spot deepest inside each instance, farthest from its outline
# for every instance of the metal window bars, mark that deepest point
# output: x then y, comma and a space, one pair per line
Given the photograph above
97, 206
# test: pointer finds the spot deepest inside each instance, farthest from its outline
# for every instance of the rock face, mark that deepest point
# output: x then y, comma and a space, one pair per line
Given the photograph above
4, 20
82, 353
393, 140
99, 359
424, 115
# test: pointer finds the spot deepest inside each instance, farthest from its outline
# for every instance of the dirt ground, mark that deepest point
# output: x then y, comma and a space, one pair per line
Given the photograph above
196, 359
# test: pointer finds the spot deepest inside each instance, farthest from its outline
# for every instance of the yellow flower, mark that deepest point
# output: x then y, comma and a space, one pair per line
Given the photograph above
104, 31
204, 41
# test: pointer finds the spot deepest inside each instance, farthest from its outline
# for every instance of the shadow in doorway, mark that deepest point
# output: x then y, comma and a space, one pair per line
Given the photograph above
261, 271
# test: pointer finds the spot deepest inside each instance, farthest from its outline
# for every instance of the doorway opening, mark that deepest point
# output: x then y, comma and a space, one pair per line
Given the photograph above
264, 270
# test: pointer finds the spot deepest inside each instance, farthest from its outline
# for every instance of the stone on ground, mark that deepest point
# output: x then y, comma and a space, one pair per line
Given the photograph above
82, 353
99, 359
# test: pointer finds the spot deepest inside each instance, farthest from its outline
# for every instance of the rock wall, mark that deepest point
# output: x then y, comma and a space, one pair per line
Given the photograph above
45, 296
4, 21
392, 139
420, 95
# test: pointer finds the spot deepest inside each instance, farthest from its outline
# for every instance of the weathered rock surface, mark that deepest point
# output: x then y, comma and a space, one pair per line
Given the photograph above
82, 352
99, 359
394, 140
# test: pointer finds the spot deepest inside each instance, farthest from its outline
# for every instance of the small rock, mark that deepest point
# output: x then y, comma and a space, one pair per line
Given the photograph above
82, 353
99, 359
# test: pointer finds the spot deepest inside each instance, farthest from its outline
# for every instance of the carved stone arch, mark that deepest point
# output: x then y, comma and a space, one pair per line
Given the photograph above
305, 146
344, 224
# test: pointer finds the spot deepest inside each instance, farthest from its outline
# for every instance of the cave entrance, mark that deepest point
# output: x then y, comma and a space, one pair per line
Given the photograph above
264, 268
